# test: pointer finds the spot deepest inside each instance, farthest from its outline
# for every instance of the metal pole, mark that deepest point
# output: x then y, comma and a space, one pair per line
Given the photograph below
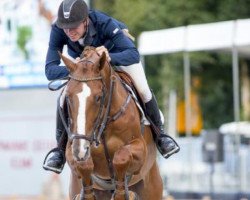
188, 126
236, 84
172, 113
187, 88
236, 98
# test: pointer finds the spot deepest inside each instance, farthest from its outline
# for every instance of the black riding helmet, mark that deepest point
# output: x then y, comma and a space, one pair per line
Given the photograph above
71, 13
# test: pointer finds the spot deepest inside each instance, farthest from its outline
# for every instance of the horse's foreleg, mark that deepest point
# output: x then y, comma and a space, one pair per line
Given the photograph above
84, 170
127, 161
75, 186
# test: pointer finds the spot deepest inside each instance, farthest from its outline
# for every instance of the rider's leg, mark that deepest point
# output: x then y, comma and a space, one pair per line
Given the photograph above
166, 145
56, 160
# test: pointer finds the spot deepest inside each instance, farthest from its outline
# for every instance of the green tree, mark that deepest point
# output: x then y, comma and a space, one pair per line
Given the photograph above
165, 72
24, 34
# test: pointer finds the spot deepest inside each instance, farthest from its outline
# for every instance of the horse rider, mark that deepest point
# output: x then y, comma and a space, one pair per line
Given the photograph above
77, 26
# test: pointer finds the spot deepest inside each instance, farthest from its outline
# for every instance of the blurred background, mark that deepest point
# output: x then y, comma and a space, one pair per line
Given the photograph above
196, 57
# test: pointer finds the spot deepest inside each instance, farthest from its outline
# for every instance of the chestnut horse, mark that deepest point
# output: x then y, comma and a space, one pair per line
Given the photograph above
109, 153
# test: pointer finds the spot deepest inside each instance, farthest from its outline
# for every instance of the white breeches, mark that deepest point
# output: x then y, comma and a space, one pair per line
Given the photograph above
137, 73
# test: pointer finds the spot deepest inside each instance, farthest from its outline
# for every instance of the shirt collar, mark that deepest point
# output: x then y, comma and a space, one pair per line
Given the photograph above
87, 41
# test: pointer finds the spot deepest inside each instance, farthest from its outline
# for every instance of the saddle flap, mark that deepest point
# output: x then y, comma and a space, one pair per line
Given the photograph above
129, 81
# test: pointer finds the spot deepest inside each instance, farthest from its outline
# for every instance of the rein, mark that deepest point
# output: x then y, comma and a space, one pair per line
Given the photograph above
96, 134
101, 122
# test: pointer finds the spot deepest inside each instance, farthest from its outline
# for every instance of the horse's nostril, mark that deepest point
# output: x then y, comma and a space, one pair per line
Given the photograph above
81, 152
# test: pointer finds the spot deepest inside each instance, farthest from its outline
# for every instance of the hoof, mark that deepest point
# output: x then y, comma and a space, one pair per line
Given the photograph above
77, 197
133, 196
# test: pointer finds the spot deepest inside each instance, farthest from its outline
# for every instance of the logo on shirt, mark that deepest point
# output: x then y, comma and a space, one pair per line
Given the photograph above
115, 31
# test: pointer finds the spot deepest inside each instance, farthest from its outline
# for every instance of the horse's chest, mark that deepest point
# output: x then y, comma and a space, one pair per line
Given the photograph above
113, 144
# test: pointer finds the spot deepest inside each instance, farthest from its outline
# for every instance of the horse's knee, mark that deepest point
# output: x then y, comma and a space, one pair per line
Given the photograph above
122, 157
121, 161
138, 150
130, 158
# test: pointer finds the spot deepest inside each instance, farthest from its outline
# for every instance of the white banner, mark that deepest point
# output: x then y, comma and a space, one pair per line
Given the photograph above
27, 133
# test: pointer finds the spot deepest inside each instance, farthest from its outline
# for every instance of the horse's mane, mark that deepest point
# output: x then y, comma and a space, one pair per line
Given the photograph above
86, 50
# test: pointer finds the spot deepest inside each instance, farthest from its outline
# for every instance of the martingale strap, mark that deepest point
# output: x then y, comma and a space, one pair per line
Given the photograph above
106, 115
97, 134
108, 158
122, 110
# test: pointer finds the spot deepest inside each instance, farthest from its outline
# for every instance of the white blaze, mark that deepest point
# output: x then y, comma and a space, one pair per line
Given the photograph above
81, 118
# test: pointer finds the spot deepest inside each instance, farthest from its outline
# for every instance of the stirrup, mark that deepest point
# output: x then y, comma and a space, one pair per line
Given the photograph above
53, 169
175, 150
165, 135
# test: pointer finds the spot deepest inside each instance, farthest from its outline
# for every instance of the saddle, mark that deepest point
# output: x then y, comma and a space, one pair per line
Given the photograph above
127, 80
128, 83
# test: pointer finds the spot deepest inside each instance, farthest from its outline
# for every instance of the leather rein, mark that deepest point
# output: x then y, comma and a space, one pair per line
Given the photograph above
100, 122
103, 118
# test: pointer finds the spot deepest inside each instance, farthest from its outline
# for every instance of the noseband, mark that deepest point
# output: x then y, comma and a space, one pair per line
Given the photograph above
95, 133
102, 118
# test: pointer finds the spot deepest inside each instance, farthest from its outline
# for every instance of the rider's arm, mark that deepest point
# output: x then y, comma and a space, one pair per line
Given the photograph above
53, 70
122, 50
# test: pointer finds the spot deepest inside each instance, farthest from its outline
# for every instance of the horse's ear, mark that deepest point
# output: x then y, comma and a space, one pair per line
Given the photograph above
69, 63
102, 61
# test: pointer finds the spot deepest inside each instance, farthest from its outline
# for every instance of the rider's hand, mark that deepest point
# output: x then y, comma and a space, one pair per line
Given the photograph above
77, 59
101, 50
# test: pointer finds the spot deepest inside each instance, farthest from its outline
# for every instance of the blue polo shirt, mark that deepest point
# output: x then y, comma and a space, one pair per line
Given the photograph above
102, 30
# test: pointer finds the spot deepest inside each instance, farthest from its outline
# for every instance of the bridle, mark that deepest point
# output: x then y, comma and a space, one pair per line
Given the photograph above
103, 118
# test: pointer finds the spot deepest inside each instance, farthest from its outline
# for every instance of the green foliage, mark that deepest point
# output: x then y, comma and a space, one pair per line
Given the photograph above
216, 98
106, 6
165, 72
24, 34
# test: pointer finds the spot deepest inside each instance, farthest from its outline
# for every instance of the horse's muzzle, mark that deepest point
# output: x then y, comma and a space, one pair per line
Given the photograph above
81, 150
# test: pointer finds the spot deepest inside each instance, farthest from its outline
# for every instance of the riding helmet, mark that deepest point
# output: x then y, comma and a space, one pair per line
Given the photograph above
71, 13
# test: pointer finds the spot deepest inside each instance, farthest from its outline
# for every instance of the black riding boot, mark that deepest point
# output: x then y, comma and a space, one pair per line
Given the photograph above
165, 144
56, 160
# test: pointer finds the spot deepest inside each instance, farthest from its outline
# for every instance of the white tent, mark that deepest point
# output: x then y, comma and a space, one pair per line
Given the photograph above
242, 128
201, 37
230, 36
